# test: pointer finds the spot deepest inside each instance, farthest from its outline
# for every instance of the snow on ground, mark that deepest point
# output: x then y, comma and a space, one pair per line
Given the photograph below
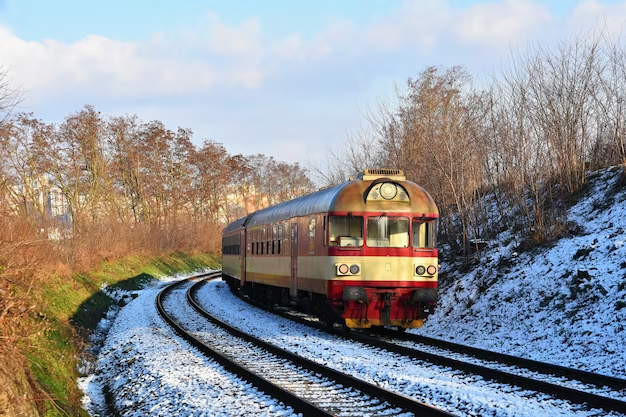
146, 370
564, 304
446, 388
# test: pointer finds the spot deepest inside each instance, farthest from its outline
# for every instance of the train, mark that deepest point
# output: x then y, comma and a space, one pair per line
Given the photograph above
361, 254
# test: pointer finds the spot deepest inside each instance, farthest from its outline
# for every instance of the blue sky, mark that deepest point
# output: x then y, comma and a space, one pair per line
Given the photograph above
284, 78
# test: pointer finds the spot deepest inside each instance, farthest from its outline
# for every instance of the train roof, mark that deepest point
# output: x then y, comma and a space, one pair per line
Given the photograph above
236, 225
317, 202
350, 196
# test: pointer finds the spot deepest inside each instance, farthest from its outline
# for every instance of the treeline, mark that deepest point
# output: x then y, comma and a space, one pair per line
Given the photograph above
524, 138
92, 171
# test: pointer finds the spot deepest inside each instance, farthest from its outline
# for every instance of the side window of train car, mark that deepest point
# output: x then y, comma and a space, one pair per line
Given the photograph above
286, 235
274, 237
312, 235
345, 230
279, 236
424, 233
263, 234
256, 242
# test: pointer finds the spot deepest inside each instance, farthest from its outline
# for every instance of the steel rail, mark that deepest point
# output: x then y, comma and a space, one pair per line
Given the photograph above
543, 367
566, 393
398, 400
298, 404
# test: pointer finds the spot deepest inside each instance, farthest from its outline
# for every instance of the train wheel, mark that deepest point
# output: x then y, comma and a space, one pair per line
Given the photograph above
306, 305
344, 326
325, 320
328, 318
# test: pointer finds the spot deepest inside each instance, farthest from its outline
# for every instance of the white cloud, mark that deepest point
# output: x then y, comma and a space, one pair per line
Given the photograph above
415, 23
210, 36
288, 48
111, 68
242, 41
494, 22
211, 54
591, 13
426, 27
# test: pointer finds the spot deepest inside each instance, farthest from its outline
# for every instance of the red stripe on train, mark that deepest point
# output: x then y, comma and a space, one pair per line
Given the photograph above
335, 287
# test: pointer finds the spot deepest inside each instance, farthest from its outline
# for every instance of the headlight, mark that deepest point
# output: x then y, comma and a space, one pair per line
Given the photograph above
432, 270
343, 269
420, 270
354, 269
388, 190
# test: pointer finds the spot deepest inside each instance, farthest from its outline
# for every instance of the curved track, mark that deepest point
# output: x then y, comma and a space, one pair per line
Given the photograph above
542, 367
308, 387
392, 342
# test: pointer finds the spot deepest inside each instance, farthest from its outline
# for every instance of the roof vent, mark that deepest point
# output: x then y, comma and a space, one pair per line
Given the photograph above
375, 173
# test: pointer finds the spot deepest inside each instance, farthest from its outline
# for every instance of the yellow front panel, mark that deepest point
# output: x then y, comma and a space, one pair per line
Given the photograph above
373, 268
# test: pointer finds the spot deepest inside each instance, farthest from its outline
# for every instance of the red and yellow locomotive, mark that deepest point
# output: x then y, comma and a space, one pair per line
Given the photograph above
361, 253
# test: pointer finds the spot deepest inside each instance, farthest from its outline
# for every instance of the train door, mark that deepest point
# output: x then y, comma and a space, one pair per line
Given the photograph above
242, 256
293, 282
245, 241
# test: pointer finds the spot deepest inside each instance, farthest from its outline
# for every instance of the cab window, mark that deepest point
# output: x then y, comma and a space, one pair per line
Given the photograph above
345, 231
424, 233
387, 232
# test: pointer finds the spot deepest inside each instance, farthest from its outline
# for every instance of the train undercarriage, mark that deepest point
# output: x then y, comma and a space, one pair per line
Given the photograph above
358, 307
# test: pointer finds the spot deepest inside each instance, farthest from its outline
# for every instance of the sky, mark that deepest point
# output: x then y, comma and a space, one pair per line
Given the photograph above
289, 79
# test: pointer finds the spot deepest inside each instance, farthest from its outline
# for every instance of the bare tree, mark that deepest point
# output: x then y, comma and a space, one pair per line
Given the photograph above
610, 100
24, 176
10, 97
123, 136
432, 135
211, 185
360, 150
76, 159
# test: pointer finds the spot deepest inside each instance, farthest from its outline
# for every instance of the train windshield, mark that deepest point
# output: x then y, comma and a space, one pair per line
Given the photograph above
387, 232
345, 231
424, 233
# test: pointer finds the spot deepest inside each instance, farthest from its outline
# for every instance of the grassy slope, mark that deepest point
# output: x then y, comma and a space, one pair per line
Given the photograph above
71, 308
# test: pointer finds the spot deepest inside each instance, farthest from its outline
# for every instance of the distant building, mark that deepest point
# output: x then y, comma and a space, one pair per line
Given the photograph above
39, 198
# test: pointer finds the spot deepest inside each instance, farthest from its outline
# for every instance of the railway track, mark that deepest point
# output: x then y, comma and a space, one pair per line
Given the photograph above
308, 387
598, 380
565, 383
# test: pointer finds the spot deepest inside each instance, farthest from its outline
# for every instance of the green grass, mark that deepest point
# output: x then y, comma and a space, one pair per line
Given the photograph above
72, 307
